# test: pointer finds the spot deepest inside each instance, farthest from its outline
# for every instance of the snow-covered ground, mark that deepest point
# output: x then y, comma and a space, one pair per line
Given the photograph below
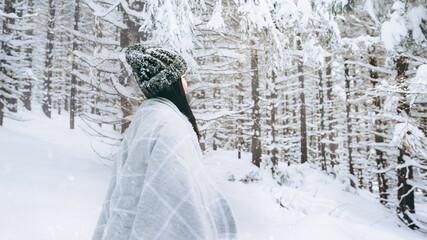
52, 186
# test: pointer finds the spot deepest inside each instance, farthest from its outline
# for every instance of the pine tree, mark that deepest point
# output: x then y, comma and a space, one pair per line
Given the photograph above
47, 80
74, 66
256, 117
8, 91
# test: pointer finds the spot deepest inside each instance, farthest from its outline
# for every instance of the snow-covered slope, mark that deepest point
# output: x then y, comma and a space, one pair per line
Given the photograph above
309, 205
52, 186
51, 183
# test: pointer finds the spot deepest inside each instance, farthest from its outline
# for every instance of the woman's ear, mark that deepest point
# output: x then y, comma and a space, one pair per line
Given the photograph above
184, 83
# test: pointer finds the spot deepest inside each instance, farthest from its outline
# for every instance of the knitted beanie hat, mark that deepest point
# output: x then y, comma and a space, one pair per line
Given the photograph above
154, 69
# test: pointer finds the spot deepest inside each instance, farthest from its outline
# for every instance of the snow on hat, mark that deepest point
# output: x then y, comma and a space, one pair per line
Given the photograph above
154, 69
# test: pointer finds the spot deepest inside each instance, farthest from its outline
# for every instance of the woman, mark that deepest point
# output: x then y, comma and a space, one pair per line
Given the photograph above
159, 188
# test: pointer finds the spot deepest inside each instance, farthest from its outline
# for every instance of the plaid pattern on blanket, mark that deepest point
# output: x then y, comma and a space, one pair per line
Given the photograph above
159, 188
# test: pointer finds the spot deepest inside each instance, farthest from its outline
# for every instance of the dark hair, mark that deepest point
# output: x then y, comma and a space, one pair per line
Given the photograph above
176, 94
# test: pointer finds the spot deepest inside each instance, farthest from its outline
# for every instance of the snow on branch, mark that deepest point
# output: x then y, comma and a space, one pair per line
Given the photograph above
129, 11
216, 21
102, 12
220, 114
124, 91
368, 66
14, 16
408, 136
93, 39
416, 185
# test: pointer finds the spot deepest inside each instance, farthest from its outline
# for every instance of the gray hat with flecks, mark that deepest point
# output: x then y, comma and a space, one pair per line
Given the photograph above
154, 69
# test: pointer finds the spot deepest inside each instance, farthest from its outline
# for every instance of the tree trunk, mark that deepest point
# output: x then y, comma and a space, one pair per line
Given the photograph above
27, 92
203, 133
349, 124
128, 36
240, 121
295, 123
47, 101
405, 191
12, 100
332, 146
256, 137
214, 146
273, 101
5, 84
58, 104
302, 108
216, 95
74, 67
360, 177
286, 129
380, 161
322, 122
5, 48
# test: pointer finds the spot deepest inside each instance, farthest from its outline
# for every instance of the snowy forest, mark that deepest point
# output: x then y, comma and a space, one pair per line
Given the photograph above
340, 84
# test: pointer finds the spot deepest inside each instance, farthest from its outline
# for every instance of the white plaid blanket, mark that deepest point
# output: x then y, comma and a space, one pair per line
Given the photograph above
159, 188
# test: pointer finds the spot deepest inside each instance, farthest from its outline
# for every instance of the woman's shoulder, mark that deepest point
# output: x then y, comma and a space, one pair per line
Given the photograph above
151, 108
160, 111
